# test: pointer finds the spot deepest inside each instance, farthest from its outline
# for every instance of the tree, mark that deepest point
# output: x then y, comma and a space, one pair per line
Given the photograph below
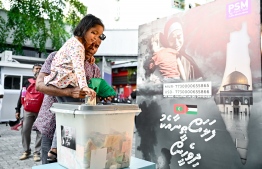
39, 20
3, 34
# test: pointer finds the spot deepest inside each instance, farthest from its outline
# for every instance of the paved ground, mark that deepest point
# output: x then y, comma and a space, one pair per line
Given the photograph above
11, 149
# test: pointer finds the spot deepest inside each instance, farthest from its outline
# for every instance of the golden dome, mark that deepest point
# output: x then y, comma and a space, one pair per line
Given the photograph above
236, 78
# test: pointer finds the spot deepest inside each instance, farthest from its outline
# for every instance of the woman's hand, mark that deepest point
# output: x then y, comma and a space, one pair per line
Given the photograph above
90, 92
76, 92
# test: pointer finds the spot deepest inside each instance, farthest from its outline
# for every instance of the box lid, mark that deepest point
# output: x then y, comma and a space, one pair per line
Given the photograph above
81, 108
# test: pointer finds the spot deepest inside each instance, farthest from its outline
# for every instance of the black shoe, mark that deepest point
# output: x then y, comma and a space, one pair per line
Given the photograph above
52, 158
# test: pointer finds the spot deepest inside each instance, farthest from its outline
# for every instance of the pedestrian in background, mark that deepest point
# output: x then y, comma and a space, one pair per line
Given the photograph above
28, 121
1, 97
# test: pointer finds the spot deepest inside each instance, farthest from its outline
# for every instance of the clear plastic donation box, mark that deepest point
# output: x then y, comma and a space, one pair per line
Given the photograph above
94, 137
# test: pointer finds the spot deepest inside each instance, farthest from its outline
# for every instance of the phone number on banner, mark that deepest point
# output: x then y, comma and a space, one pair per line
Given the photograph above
192, 89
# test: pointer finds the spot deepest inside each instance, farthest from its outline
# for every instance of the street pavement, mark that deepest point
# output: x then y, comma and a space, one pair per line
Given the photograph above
11, 149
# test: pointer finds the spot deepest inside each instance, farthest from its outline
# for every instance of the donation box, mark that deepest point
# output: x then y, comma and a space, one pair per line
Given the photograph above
94, 137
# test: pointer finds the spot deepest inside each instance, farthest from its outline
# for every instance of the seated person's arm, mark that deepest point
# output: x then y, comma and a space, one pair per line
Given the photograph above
54, 91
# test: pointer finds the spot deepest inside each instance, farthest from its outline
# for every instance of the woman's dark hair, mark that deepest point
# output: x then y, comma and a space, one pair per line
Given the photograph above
85, 24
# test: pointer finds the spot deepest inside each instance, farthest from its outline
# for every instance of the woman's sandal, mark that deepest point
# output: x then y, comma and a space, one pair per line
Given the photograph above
52, 158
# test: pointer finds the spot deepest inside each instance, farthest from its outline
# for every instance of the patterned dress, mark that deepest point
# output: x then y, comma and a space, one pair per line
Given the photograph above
67, 67
46, 122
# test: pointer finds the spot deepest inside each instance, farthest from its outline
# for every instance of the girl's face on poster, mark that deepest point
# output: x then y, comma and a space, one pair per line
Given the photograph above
93, 34
176, 39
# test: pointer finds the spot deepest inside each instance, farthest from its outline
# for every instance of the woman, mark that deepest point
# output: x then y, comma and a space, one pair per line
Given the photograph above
67, 68
45, 122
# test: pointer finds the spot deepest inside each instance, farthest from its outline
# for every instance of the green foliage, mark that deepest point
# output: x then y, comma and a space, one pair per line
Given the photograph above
40, 20
97, 60
76, 11
3, 34
130, 72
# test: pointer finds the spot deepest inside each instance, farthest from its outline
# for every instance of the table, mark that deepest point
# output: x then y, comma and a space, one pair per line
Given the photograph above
135, 163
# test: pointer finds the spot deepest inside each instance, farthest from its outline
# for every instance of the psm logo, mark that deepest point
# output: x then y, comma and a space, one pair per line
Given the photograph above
238, 8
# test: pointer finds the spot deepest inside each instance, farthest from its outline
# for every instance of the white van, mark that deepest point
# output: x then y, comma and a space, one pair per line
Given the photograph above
12, 76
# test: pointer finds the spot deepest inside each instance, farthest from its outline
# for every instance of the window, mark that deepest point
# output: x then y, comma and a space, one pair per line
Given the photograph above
12, 82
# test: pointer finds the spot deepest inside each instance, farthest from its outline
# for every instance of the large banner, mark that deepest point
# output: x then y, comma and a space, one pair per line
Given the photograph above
199, 88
